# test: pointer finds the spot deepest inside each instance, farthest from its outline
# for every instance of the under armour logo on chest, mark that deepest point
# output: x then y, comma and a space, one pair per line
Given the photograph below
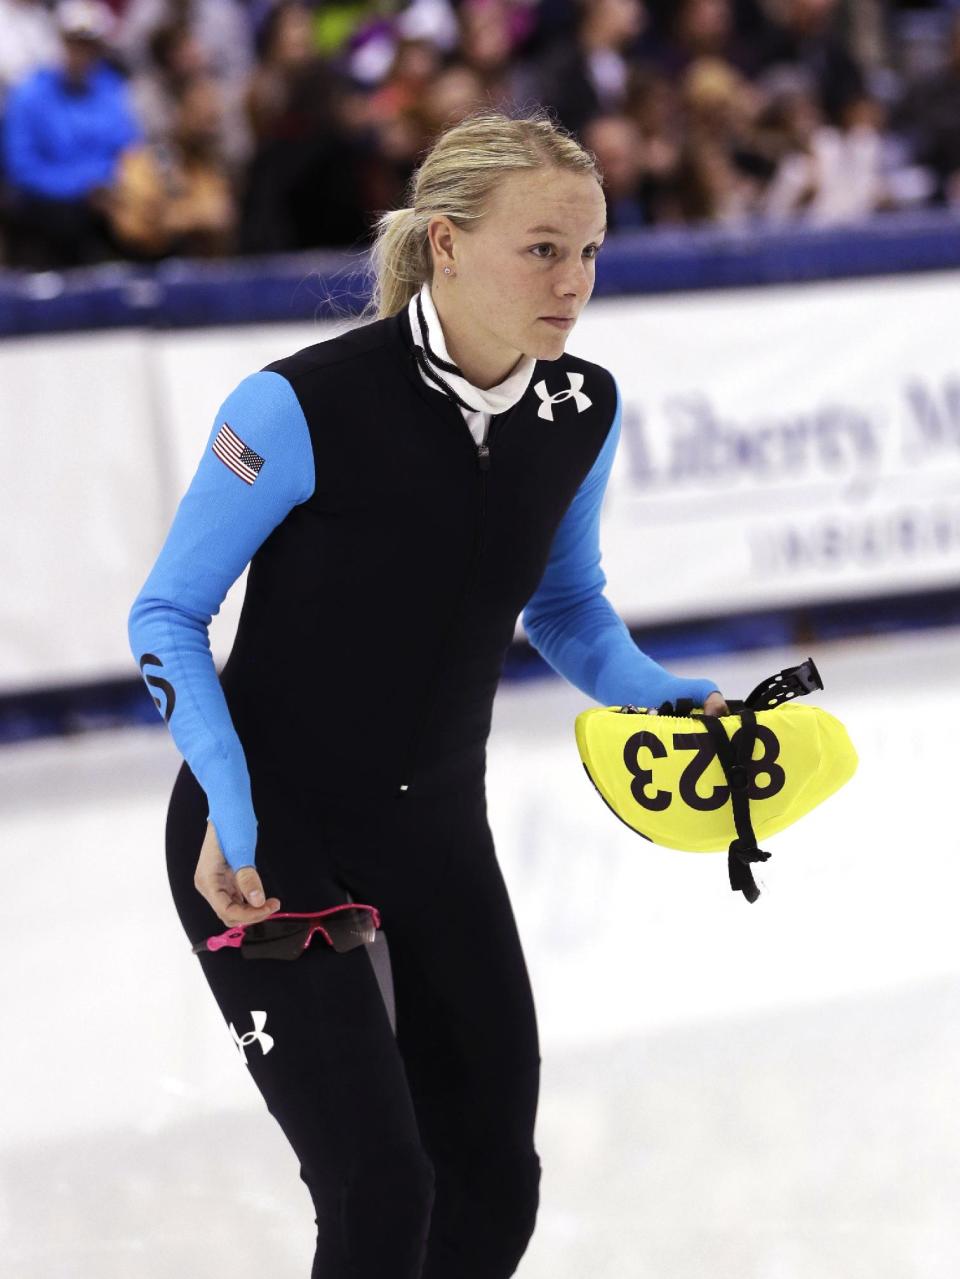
573, 392
251, 1037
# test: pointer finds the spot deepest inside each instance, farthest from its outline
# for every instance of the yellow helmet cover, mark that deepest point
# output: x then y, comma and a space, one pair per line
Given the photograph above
705, 783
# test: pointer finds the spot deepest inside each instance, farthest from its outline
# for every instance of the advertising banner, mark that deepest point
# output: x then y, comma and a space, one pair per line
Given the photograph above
781, 446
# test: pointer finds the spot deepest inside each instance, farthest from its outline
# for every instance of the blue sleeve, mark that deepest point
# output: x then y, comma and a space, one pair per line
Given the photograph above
572, 624
228, 510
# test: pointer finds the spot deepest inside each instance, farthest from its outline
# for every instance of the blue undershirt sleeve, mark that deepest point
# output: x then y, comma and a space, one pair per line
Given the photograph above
258, 465
573, 625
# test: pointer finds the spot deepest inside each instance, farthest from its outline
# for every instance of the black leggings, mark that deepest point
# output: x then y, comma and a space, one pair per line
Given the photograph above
416, 1147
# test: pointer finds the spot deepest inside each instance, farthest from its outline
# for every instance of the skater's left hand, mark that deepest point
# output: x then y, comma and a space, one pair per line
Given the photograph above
715, 705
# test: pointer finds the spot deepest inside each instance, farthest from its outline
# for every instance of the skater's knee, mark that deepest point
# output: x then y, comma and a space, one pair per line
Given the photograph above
386, 1203
491, 1212
515, 1201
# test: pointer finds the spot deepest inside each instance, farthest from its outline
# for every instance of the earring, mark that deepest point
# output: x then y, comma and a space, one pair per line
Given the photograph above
446, 270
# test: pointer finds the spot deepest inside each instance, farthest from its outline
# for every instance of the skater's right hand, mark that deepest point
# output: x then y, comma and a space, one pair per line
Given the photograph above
228, 891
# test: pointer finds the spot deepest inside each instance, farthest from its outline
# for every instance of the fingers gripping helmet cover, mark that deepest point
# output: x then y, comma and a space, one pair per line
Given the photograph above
705, 783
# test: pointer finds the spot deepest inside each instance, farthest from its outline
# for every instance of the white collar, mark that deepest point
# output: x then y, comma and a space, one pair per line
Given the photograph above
495, 399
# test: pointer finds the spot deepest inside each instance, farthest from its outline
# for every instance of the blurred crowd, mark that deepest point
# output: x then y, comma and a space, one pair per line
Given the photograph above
141, 129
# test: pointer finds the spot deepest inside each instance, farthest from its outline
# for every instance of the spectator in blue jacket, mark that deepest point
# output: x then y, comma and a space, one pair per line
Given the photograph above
64, 131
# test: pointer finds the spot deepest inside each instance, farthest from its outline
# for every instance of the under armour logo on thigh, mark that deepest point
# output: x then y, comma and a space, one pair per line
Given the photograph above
266, 1041
572, 393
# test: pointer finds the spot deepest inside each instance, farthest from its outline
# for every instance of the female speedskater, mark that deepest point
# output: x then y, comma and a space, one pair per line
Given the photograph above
402, 492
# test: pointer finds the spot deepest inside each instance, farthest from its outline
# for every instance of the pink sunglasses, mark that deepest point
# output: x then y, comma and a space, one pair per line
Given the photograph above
287, 934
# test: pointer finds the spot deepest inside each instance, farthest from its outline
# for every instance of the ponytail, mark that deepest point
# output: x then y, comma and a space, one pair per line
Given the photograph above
400, 259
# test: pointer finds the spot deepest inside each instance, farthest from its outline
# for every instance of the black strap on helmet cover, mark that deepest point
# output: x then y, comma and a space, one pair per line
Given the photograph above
795, 681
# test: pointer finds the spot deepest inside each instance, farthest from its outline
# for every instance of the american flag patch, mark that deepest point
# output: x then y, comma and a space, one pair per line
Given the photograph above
240, 458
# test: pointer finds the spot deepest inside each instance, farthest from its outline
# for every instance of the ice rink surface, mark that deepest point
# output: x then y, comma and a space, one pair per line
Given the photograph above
729, 1091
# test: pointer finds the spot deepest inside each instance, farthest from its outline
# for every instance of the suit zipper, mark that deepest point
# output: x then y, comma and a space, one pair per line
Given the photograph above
482, 453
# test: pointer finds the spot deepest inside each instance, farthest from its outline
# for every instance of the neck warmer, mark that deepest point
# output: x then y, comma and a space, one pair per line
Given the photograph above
439, 371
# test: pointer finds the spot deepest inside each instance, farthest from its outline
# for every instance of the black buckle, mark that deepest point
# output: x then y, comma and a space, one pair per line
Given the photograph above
795, 681
737, 777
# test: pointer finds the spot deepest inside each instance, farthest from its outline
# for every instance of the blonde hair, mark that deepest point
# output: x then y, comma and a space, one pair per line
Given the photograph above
455, 179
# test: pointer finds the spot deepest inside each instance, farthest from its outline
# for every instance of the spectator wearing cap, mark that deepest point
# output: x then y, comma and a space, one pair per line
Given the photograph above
29, 41
64, 132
